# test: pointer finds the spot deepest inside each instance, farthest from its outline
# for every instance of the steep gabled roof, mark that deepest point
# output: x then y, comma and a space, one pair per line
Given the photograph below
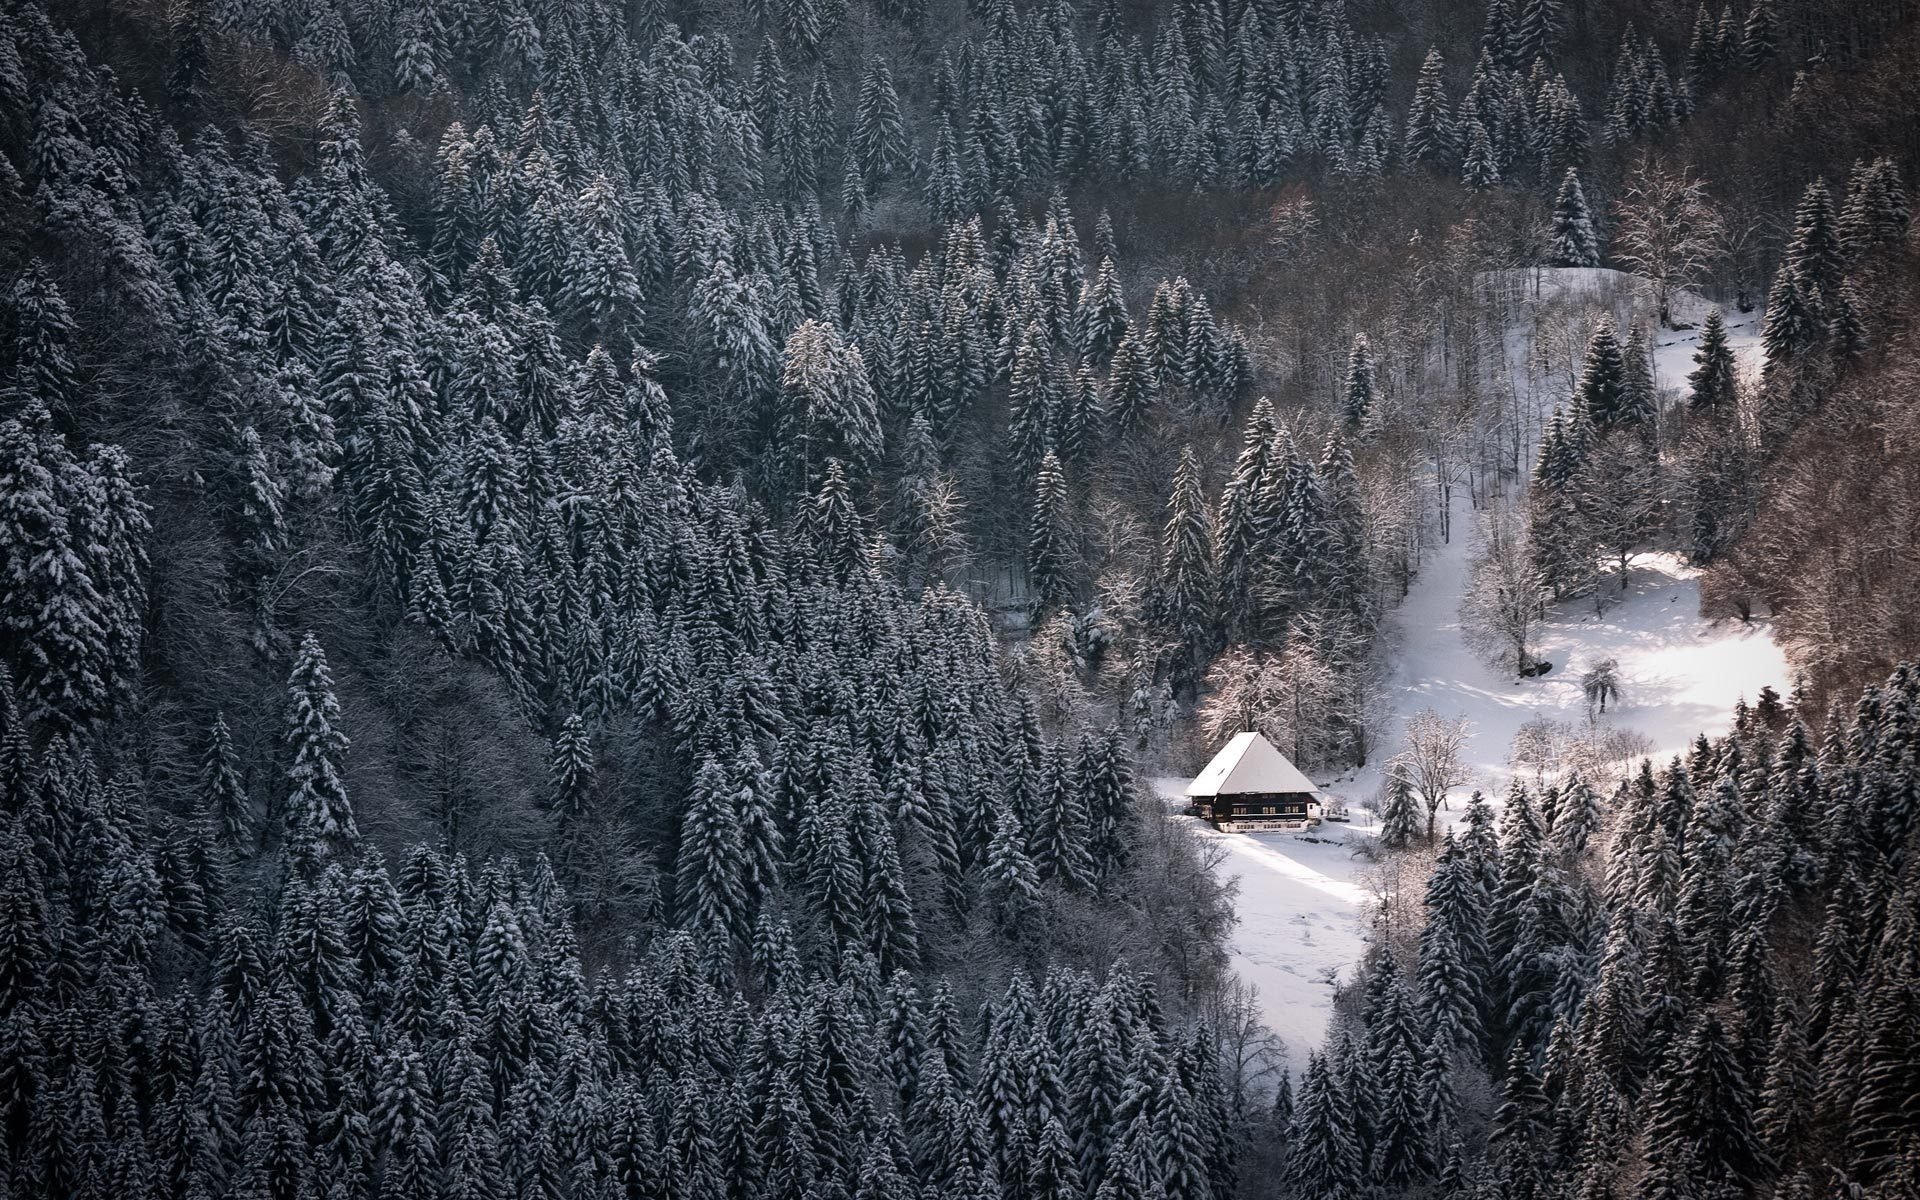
1248, 763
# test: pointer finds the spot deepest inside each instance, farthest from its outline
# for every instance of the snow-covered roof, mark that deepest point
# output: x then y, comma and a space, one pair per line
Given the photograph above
1248, 763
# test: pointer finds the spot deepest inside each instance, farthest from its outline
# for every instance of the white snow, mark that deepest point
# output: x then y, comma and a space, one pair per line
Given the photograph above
1304, 902
1302, 909
1680, 674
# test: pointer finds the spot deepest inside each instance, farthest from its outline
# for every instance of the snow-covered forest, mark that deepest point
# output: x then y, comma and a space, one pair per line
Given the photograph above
591, 593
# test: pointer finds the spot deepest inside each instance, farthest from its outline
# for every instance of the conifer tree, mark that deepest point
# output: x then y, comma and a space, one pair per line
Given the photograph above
1101, 316
1711, 383
1246, 519
571, 768
1050, 553
1322, 1158
1758, 40
43, 330
879, 141
1400, 822
1105, 779
1361, 394
1430, 130
1639, 405
222, 794
602, 292
1186, 572
1132, 384
1602, 391
1010, 874
1814, 251
1698, 1111
319, 819
1574, 242
1792, 323
1480, 170
828, 407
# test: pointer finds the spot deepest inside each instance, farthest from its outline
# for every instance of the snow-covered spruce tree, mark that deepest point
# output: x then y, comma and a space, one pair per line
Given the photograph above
1602, 391
1050, 540
879, 142
317, 815
1247, 519
1186, 588
827, 405
1431, 140
1400, 824
223, 794
1361, 393
1711, 386
1574, 242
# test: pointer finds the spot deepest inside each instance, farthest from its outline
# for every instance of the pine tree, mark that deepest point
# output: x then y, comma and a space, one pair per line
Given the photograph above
1814, 251
1639, 404
1361, 393
1711, 383
879, 140
1430, 131
1322, 1159
570, 766
1480, 170
1186, 572
1104, 778
1132, 386
1792, 323
319, 819
1246, 520
222, 794
1574, 242
1846, 326
1010, 874
1066, 828
828, 407
1879, 1131
43, 332
1050, 555
1518, 1134
1602, 391
1101, 318
1758, 43
1400, 820
1699, 1110
602, 291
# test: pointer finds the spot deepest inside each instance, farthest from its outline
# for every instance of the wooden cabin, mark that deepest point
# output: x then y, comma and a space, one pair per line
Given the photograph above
1250, 786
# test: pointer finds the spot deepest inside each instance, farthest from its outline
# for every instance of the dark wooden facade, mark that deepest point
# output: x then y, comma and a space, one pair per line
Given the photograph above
1255, 807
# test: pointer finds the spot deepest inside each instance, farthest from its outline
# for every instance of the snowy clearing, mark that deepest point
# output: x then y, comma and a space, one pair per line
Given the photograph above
1303, 906
1681, 674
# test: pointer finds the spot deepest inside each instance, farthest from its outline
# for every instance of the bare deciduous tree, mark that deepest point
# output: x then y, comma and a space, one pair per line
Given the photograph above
1669, 230
1289, 698
1505, 598
1430, 758
1540, 746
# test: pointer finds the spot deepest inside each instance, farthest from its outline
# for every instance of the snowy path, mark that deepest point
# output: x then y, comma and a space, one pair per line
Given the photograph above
1303, 902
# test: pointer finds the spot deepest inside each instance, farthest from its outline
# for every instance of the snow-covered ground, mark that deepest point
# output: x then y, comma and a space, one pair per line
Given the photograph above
1303, 911
1680, 674
1305, 899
